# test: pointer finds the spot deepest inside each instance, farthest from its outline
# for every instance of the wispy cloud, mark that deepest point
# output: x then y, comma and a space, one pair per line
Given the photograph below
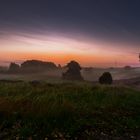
37, 45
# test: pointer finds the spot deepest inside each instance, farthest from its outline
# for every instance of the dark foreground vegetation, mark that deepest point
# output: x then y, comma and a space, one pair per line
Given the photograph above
79, 111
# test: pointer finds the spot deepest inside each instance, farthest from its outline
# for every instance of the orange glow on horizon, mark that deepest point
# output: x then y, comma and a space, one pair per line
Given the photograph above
61, 50
83, 59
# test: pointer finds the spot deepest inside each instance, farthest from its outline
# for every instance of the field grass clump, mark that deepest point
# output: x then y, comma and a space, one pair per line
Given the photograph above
68, 110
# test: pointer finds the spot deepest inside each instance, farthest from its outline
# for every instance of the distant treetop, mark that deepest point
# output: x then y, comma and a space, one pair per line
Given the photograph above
73, 72
73, 65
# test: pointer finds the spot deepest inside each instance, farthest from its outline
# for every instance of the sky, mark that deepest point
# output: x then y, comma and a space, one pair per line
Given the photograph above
101, 33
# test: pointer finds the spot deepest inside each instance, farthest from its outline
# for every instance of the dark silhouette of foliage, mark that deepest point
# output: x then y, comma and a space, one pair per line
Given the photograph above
14, 68
127, 67
59, 66
106, 78
37, 66
73, 72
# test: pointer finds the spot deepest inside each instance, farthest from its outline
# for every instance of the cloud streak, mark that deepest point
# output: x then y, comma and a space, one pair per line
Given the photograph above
21, 46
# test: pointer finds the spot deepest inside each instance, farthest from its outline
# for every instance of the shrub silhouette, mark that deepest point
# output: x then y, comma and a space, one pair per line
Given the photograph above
106, 78
127, 67
73, 72
14, 68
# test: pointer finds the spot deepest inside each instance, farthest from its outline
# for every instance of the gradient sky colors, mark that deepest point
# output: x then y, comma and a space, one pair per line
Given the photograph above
93, 32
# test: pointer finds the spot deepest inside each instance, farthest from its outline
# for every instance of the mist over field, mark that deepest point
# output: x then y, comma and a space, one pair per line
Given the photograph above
89, 74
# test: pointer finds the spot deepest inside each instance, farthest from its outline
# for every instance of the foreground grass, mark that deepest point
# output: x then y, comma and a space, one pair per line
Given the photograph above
68, 111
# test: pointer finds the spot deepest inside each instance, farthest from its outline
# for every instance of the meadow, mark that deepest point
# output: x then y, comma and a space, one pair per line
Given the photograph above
70, 110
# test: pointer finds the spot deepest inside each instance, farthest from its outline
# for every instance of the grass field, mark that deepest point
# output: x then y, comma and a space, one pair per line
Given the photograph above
68, 111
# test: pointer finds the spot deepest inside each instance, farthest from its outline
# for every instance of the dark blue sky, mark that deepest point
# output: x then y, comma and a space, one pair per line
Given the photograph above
111, 19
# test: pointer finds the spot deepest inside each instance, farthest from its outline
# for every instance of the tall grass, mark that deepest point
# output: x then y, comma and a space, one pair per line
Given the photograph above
68, 108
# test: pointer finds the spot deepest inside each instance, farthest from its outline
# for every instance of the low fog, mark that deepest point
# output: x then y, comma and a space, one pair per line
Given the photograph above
55, 74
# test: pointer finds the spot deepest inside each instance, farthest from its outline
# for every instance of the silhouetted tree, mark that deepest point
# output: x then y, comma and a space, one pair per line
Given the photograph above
106, 78
59, 66
14, 68
127, 67
37, 66
73, 72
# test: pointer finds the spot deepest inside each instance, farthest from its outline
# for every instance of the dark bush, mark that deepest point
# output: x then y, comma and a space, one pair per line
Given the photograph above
127, 67
73, 71
14, 68
106, 78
